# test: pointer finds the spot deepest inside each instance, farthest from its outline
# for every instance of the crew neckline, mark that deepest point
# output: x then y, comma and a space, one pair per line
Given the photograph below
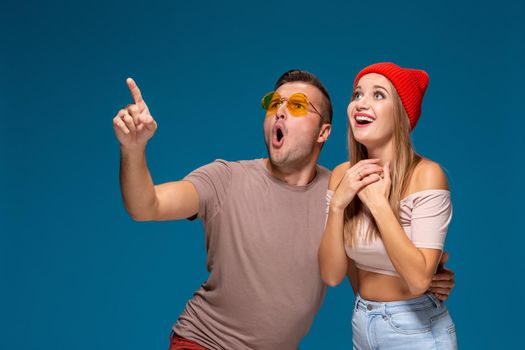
286, 185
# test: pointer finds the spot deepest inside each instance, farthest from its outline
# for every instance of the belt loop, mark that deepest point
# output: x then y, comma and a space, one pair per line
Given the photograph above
435, 300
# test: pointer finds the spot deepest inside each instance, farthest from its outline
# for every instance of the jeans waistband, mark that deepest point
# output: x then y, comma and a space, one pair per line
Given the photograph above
391, 307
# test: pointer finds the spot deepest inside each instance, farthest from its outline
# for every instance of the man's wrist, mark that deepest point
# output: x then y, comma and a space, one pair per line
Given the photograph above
132, 150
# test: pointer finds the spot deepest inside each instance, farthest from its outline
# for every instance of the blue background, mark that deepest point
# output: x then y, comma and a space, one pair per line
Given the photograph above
78, 273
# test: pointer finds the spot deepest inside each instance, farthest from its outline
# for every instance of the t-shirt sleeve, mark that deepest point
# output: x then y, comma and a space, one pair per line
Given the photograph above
212, 182
431, 216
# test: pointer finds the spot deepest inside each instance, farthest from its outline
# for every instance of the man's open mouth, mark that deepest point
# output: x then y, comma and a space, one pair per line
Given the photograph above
278, 136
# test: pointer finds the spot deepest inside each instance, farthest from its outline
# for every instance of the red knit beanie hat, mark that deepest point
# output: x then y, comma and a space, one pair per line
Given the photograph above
410, 85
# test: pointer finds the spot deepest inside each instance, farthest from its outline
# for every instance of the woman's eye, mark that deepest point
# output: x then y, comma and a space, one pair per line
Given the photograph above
379, 95
356, 95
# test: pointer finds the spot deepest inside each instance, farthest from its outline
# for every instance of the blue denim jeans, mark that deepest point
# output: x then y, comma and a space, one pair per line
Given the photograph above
421, 323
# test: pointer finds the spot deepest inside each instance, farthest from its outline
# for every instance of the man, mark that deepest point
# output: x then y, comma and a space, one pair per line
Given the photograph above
263, 219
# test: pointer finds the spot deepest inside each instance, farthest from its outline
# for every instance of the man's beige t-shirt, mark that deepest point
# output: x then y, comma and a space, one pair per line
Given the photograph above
262, 236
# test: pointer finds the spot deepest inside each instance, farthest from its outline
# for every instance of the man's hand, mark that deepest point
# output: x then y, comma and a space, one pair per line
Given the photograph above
134, 125
443, 281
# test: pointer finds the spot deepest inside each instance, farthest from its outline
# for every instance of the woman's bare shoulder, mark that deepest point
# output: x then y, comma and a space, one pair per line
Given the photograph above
428, 175
337, 174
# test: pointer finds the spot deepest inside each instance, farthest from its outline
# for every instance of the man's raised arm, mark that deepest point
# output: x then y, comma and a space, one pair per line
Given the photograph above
144, 201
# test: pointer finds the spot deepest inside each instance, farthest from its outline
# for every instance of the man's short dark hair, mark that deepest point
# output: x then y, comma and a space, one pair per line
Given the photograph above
296, 75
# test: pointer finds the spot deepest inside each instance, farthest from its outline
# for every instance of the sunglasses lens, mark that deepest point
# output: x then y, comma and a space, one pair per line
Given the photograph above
274, 102
298, 105
265, 102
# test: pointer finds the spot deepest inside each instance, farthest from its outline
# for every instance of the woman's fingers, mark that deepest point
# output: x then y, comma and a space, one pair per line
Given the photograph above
364, 170
368, 180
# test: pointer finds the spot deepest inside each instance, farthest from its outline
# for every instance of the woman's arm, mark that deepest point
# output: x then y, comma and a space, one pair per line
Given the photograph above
332, 255
415, 265
353, 278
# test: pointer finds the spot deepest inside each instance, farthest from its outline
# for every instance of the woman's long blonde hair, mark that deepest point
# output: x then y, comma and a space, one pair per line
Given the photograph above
402, 166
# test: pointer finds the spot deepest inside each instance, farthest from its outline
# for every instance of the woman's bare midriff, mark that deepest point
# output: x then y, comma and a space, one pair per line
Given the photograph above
379, 287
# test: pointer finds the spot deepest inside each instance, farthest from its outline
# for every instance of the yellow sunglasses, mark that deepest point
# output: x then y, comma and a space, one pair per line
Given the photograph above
297, 104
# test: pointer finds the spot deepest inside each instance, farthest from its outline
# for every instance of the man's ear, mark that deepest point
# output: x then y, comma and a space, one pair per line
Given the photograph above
324, 132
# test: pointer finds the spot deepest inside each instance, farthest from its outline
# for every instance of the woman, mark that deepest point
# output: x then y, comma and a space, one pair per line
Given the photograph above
388, 213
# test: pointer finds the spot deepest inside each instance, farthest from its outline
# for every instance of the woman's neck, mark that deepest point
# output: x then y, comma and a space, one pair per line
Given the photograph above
384, 153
